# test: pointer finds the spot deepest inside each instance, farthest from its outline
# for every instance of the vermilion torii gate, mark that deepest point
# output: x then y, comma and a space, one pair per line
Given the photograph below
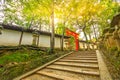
75, 35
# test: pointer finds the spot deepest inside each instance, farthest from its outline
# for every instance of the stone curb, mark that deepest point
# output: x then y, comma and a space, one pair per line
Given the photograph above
104, 73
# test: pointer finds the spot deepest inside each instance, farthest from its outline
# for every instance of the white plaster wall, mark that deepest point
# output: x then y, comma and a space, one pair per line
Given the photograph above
57, 42
27, 39
95, 46
86, 46
9, 37
91, 46
44, 41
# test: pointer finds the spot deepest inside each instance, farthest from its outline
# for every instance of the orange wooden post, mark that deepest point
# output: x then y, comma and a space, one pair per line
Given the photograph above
77, 43
75, 35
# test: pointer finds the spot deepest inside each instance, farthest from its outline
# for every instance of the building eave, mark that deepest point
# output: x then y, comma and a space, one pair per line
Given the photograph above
21, 29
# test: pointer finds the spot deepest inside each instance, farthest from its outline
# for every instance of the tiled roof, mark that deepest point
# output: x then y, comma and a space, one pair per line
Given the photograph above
18, 28
115, 20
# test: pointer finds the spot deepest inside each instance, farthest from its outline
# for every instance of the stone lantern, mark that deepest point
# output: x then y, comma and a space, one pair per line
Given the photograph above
116, 37
101, 41
116, 34
119, 33
107, 35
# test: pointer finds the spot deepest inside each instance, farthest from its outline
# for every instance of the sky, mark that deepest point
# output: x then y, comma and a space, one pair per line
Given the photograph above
1, 10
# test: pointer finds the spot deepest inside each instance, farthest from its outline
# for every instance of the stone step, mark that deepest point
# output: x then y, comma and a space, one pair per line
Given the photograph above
79, 71
82, 56
78, 61
65, 73
77, 65
58, 77
82, 65
71, 74
37, 77
74, 58
75, 68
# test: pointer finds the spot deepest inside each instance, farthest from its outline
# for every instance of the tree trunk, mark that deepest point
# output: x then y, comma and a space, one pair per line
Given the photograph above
62, 41
30, 23
49, 27
53, 33
90, 41
38, 40
86, 38
39, 34
94, 32
90, 37
40, 25
21, 38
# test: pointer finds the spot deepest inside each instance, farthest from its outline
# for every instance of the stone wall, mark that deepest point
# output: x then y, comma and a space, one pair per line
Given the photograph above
110, 38
109, 44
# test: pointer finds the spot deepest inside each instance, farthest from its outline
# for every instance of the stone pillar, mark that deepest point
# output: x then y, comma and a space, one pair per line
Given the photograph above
105, 43
100, 42
119, 33
107, 35
83, 46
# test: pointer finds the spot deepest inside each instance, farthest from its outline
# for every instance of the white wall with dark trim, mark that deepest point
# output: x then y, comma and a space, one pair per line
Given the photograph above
27, 39
9, 38
12, 38
57, 42
44, 41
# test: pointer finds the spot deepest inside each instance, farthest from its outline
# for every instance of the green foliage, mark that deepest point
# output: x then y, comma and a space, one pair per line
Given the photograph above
15, 57
72, 43
26, 60
83, 13
21, 56
59, 29
113, 49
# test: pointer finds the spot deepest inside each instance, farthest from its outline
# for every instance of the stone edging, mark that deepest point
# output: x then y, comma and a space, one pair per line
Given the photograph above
104, 73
